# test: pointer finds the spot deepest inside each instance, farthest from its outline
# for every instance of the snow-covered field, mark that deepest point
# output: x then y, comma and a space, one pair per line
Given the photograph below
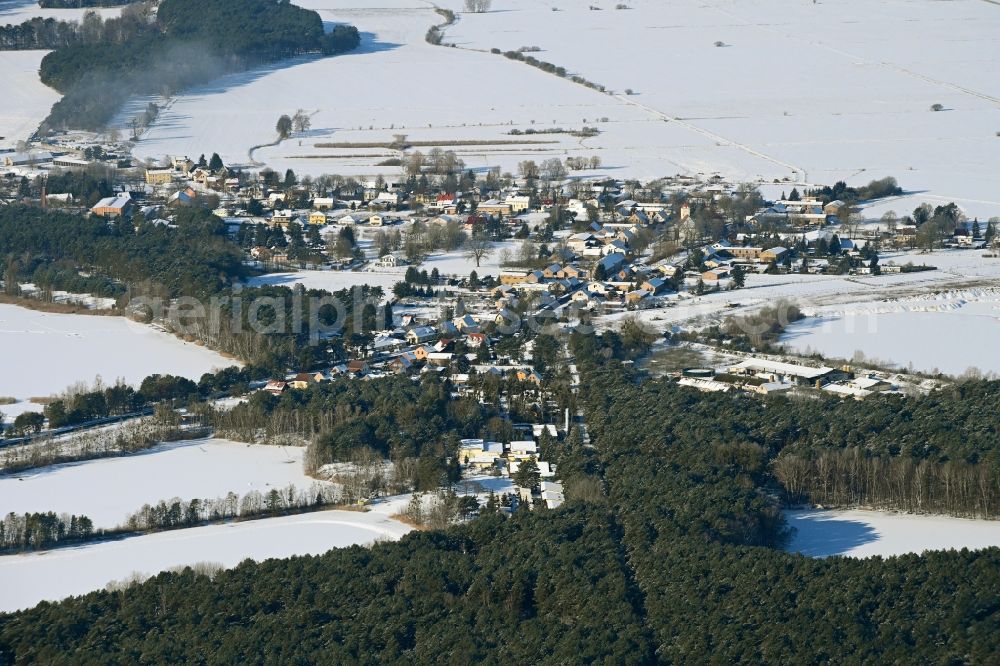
24, 100
45, 352
949, 332
858, 533
396, 83
18, 11
447, 263
828, 90
807, 91
110, 489
27, 579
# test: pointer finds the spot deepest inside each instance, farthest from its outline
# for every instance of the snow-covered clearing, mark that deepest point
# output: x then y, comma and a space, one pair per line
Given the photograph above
828, 90
947, 332
109, 489
46, 352
27, 579
959, 271
858, 533
330, 280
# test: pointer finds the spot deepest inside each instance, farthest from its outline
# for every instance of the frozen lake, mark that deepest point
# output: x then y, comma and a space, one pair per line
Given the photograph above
27, 579
948, 332
857, 533
110, 489
45, 352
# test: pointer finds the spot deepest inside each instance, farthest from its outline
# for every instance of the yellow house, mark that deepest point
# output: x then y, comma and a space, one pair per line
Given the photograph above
159, 176
304, 379
525, 375
317, 217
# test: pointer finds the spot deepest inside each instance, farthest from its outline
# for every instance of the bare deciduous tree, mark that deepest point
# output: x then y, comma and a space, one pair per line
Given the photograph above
478, 247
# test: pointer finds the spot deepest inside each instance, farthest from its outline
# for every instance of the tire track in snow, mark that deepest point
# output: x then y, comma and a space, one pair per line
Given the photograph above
800, 172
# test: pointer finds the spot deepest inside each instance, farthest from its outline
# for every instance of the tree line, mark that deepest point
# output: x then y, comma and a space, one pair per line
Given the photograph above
851, 477
37, 531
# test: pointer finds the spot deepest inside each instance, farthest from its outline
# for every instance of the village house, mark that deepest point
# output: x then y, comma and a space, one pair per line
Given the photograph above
493, 207
118, 206
421, 334
156, 177
275, 387
357, 368
518, 203
304, 380
774, 254
390, 261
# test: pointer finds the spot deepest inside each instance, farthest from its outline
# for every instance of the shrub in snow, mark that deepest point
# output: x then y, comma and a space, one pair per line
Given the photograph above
937, 107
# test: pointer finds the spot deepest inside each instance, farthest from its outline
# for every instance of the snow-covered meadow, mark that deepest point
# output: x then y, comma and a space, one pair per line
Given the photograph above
812, 91
109, 489
828, 90
25, 100
397, 83
858, 533
46, 352
26, 579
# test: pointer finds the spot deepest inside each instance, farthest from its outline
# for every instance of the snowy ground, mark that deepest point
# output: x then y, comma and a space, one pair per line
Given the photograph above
958, 271
389, 86
330, 280
853, 103
447, 263
827, 90
18, 11
27, 579
46, 352
865, 533
947, 332
204, 469
25, 101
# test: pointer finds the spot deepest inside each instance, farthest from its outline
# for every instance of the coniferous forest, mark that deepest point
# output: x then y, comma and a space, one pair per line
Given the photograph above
673, 555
